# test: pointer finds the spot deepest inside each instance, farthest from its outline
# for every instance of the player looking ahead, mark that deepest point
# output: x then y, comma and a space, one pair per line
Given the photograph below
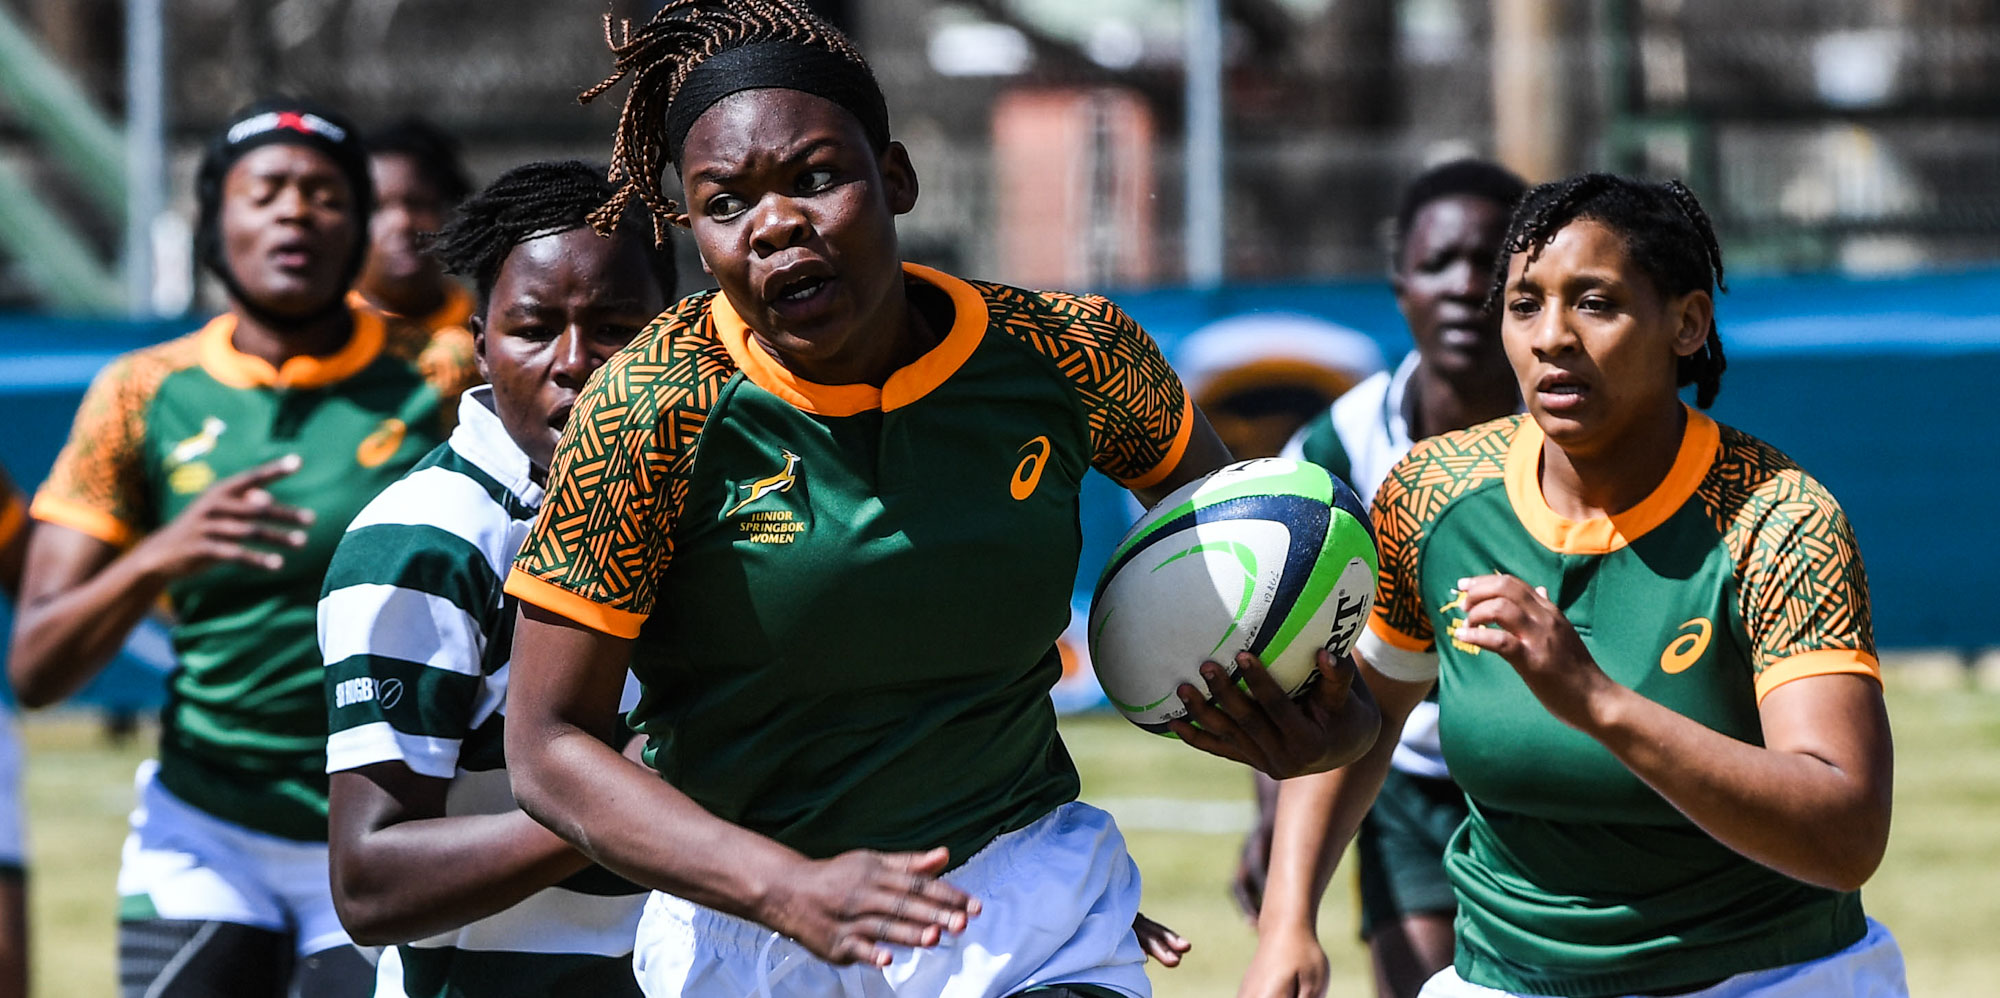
218, 469
417, 177
828, 518
1448, 230
428, 846
1650, 637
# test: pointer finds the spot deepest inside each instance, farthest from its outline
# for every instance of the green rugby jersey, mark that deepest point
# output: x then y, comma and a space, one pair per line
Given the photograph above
846, 600
243, 734
1737, 575
417, 634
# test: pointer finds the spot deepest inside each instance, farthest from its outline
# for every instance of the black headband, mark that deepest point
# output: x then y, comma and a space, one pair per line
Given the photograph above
778, 66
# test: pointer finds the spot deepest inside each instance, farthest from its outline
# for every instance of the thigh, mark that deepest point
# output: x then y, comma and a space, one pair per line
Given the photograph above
180, 958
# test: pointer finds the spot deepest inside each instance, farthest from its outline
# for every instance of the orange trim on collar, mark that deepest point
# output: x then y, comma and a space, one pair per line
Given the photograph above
904, 386
1175, 451
456, 310
563, 603
233, 367
1605, 534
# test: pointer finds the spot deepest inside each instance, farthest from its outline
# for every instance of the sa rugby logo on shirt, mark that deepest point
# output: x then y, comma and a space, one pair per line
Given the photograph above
1686, 649
186, 472
1451, 626
770, 526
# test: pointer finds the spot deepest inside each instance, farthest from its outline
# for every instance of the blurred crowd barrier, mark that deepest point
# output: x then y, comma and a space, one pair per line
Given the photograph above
1879, 387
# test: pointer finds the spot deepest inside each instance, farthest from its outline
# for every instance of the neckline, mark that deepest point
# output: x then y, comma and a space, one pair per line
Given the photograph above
236, 369
1604, 534
905, 385
481, 438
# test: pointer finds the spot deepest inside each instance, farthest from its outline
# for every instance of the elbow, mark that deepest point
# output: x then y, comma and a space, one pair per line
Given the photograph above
34, 687
366, 911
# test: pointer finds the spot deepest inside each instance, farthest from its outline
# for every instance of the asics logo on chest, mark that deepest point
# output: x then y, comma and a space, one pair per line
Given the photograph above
1687, 647
1028, 473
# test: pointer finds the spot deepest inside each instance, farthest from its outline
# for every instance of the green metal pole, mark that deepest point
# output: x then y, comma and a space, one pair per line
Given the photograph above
54, 107
50, 254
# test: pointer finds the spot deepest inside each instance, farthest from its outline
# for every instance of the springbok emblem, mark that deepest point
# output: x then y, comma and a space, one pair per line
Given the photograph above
780, 482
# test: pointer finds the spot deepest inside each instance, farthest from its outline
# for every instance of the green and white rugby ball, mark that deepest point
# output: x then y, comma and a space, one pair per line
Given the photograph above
1272, 556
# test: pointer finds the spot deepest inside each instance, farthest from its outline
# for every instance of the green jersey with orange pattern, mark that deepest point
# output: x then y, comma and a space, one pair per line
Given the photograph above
243, 734
1738, 574
846, 600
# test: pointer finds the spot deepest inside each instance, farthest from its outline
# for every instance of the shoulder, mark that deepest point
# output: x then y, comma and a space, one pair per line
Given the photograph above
136, 376
443, 527
1053, 322
1442, 468
678, 362
443, 357
1756, 494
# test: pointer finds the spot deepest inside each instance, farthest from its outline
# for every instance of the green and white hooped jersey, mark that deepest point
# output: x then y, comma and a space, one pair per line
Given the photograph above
243, 733
846, 600
416, 635
1737, 575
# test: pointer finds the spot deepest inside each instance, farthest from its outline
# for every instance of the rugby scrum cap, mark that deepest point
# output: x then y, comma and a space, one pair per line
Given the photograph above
267, 122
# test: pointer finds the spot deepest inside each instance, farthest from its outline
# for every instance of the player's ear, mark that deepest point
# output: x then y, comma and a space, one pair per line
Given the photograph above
899, 179
1694, 315
477, 327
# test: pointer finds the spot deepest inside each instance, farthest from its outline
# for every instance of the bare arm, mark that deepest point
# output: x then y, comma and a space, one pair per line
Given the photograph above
402, 870
81, 596
561, 702
1317, 817
1812, 802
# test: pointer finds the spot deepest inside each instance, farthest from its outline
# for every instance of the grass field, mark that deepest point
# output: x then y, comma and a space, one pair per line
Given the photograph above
1939, 889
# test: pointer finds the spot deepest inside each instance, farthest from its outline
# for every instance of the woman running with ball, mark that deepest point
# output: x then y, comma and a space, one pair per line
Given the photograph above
1650, 638
827, 516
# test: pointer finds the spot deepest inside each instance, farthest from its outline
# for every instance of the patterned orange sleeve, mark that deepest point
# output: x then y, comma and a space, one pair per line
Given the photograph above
1139, 413
1399, 619
1801, 588
99, 483
619, 479
13, 512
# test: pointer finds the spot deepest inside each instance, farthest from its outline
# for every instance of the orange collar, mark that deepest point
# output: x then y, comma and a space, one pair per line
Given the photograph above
1605, 534
905, 385
233, 367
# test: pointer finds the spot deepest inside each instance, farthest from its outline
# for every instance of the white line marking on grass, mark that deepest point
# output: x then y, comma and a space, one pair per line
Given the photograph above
1176, 814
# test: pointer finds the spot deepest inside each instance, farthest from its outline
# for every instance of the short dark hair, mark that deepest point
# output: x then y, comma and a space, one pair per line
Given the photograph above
434, 150
1459, 178
531, 201
1665, 231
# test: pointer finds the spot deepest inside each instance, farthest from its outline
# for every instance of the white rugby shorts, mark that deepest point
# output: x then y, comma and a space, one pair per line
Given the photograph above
1871, 968
1057, 902
182, 863
13, 843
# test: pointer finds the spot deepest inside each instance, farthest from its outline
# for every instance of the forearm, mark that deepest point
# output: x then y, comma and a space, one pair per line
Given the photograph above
1795, 811
418, 878
641, 827
63, 638
1317, 817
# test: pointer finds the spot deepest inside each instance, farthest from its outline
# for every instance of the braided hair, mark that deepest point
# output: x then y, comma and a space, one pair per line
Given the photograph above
528, 202
657, 59
1665, 231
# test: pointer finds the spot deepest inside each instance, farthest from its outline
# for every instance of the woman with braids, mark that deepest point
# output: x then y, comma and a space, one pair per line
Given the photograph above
217, 470
827, 517
428, 848
1649, 635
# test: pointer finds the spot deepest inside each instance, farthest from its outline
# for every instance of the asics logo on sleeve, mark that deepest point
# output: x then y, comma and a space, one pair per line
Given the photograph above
780, 482
1028, 473
1684, 650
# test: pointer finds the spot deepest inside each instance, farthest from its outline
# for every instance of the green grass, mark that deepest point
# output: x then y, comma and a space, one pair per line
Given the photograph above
1938, 890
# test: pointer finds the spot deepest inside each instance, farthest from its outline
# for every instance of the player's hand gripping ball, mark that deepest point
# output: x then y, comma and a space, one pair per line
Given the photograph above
1270, 556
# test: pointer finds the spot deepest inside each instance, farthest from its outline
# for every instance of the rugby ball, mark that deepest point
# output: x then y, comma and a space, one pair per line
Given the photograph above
1272, 556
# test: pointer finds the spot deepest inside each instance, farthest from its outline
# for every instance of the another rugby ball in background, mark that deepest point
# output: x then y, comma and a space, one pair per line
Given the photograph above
1271, 556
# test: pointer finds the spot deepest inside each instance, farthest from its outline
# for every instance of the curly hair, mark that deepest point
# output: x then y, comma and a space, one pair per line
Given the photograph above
1665, 231
527, 202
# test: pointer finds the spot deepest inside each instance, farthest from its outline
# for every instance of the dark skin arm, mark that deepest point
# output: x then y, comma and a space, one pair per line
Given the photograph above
561, 697
1254, 723
1812, 802
82, 596
402, 870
